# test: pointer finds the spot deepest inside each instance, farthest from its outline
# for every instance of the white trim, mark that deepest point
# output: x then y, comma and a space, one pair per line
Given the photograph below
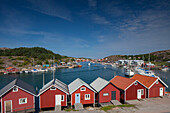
25, 101
49, 87
66, 100
145, 92
135, 83
5, 105
39, 102
148, 93
26, 91
130, 84
153, 83
14, 90
163, 82
53, 87
1, 106
125, 95
94, 99
34, 100
84, 89
85, 98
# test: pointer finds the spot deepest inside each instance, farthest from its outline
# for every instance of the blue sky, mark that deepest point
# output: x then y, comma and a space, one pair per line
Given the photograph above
86, 28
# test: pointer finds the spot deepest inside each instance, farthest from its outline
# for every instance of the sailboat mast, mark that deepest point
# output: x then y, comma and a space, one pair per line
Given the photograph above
53, 66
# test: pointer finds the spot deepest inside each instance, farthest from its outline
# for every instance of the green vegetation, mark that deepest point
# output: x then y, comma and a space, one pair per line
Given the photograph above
68, 109
1, 62
14, 63
106, 108
35, 52
2, 67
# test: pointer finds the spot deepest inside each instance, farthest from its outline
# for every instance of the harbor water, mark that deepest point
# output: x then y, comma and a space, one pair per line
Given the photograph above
86, 73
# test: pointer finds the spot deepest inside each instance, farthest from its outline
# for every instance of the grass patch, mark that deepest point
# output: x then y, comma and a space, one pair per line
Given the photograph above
106, 108
126, 105
68, 110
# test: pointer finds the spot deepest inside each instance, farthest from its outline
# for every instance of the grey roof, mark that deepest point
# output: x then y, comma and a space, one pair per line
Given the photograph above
73, 86
21, 84
99, 84
57, 83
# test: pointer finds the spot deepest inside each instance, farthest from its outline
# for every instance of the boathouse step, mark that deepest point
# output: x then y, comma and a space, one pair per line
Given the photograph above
58, 108
78, 106
115, 102
105, 104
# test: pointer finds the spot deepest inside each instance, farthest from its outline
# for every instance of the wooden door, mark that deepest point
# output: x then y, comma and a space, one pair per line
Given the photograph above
161, 92
8, 106
139, 94
77, 98
113, 95
57, 99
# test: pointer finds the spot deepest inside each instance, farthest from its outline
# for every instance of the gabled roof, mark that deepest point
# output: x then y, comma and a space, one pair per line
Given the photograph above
73, 86
122, 82
20, 84
99, 84
9, 68
146, 80
57, 83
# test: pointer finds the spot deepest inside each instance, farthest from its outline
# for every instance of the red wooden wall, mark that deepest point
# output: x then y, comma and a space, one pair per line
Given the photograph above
47, 99
131, 92
108, 89
154, 90
82, 96
15, 96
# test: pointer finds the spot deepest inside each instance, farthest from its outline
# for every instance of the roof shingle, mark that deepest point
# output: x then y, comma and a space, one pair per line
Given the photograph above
122, 82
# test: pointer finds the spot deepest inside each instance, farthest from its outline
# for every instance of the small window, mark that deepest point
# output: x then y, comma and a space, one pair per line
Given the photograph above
141, 91
87, 96
62, 97
105, 94
83, 89
157, 82
136, 83
23, 101
15, 89
53, 88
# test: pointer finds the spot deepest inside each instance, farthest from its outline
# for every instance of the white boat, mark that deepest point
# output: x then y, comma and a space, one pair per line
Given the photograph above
145, 72
26, 71
165, 69
113, 65
89, 64
129, 72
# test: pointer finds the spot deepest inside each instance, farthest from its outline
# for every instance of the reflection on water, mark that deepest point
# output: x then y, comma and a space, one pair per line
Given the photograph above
86, 73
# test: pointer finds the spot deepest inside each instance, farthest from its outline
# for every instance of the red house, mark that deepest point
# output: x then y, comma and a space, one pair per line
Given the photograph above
12, 70
155, 86
53, 93
17, 96
129, 89
105, 91
81, 92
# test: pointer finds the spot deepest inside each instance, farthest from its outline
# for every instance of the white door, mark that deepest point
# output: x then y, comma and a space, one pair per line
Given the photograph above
57, 99
161, 92
138, 94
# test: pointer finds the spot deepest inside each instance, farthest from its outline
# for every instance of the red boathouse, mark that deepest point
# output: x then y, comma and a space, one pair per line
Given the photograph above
81, 92
155, 86
17, 96
105, 91
53, 93
129, 89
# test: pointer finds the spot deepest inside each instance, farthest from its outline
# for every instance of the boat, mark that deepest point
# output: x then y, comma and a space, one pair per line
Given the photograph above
26, 71
129, 72
5, 72
89, 64
79, 65
165, 69
34, 70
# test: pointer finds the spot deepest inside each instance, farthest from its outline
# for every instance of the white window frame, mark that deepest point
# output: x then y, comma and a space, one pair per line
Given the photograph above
87, 96
157, 82
16, 89
61, 97
142, 91
52, 89
25, 101
84, 89
136, 83
105, 94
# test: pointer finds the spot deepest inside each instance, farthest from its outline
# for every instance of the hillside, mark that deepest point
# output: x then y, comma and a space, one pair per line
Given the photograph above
24, 57
158, 56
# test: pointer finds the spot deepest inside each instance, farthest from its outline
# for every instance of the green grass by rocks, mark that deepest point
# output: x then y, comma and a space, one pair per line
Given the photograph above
106, 108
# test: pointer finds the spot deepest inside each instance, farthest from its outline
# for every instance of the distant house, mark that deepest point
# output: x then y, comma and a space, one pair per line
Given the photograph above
12, 70
81, 92
17, 96
53, 93
105, 91
155, 86
129, 89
